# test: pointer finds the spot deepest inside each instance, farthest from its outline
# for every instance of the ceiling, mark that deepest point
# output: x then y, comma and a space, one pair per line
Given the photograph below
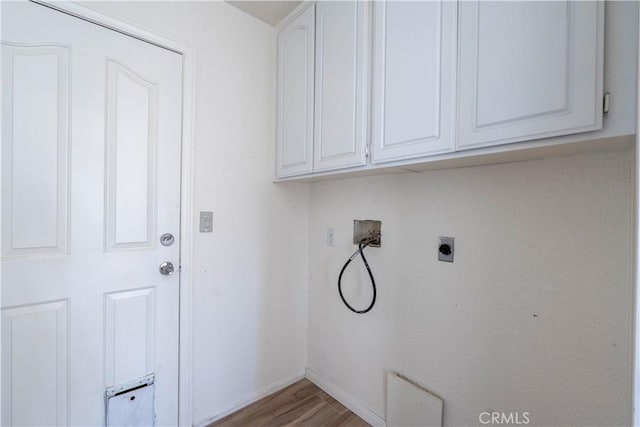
271, 12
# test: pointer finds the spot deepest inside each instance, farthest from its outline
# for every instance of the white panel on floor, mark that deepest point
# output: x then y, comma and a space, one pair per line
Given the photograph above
130, 334
411, 405
34, 365
131, 159
34, 158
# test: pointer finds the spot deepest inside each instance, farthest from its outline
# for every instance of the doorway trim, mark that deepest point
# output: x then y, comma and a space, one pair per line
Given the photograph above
188, 52
635, 349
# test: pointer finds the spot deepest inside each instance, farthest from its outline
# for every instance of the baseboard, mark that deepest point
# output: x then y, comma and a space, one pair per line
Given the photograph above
347, 400
253, 397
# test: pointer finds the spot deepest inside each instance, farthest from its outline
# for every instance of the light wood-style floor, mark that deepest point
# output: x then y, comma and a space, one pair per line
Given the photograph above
300, 404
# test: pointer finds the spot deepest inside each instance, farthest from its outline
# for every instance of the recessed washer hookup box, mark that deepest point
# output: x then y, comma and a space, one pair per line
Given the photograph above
363, 228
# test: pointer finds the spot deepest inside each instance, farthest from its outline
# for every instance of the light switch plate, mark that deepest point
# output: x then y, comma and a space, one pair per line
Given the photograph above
331, 236
206, 221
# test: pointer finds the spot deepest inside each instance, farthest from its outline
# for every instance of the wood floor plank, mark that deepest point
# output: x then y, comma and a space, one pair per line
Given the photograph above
321, 416
295, 413
270, 406
332, 402
301, 404
300, 388
348, 419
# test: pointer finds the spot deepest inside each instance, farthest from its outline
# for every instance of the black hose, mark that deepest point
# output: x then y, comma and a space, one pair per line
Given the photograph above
363, 244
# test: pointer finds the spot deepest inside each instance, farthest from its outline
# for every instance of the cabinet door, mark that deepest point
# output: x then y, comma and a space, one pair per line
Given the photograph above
529, 70
341, 84
295, 96
414, 79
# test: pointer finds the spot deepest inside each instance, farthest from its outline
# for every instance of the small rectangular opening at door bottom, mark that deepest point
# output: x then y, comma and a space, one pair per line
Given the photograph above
131, 403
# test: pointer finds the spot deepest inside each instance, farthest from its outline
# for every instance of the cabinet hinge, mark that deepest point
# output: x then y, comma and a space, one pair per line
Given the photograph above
605, 104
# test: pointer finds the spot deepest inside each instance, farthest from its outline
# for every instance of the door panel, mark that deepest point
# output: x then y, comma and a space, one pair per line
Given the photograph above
90, 180
132, 105
341, 84
130, 331
35, 158
518, 82
35, 364
295, 95
414, 79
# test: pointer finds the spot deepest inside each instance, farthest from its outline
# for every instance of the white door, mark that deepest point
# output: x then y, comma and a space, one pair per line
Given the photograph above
414, 79
296, 49
90, 181
342, 42
529, 69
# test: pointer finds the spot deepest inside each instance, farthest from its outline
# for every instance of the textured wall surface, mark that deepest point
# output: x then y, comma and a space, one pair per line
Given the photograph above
534, 315
249, 311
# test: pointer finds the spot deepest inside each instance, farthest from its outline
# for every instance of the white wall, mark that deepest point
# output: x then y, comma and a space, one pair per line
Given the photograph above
251, 272
535, 314
551, 238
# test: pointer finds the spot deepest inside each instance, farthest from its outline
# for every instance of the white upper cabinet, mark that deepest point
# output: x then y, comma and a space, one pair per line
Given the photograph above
295, 96
444, 76
528, 70
413, 79
341, 103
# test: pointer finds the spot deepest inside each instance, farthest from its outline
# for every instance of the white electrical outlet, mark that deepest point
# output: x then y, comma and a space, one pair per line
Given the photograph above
331, 237
445, 248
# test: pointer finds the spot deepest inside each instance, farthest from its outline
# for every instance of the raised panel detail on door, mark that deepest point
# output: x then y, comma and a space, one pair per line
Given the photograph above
130, 335
295, 95
529, 70
341, 84
35, 149
414, 79
35, 365
131, 159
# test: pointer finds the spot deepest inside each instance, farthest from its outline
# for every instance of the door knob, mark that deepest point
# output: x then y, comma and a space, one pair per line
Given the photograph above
166, 268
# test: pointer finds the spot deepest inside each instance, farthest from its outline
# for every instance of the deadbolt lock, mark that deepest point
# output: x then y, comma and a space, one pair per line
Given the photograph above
167, 239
